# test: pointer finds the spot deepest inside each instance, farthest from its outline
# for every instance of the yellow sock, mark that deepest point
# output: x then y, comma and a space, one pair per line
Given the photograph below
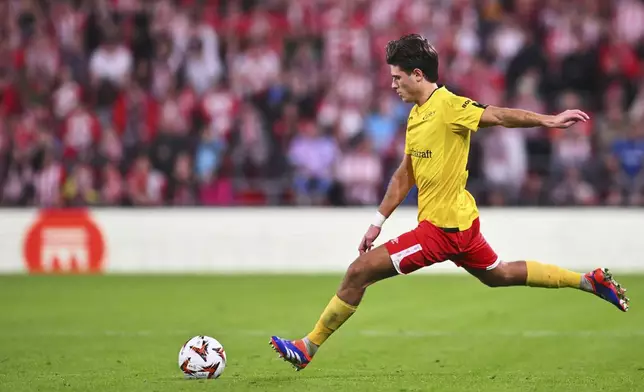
551, 276
334, 315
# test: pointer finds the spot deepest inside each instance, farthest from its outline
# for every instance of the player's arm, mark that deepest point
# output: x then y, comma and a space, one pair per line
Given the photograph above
518, 118
398, 188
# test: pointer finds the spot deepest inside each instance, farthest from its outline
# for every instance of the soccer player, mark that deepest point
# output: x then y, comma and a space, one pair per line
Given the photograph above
436, 150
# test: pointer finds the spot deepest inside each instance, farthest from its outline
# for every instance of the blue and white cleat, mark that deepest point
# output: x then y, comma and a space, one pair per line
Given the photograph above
292, 351
605, 287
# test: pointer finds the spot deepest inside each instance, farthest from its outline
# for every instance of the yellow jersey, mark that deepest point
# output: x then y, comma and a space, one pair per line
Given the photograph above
438, 141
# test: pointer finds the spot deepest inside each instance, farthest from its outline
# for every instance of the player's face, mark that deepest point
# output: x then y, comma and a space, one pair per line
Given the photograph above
405, 85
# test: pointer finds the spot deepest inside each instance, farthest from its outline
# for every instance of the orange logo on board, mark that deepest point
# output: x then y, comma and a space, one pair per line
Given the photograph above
64, 241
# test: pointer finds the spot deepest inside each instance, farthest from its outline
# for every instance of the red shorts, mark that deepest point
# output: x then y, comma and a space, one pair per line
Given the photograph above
427, 244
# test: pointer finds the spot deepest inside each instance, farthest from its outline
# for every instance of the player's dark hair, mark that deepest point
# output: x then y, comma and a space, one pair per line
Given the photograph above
413, 51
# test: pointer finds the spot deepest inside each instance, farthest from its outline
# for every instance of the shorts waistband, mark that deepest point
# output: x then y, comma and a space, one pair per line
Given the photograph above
450, 229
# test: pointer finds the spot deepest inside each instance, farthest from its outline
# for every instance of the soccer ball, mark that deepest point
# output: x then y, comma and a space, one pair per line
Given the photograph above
202, 357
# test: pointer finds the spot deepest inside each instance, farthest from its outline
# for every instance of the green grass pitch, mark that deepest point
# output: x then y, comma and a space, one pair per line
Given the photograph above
413, 333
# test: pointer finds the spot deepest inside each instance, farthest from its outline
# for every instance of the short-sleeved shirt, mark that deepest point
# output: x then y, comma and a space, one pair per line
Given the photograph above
438, 141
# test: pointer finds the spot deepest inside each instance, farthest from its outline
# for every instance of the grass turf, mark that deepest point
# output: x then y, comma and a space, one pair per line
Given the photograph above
414, 333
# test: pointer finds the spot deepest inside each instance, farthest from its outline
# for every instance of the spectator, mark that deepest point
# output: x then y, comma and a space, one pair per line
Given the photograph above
203, 66
78, 189
573, 190
67, 96
110, 149
112, 192
629, 152
381, 125
250, 143
359, 172
216, 188
534, 191
18, 184
571, 147
228, 103
209, 154
135, 116
145, 185
81, 131
182, 189
111, 61
312, 155
504, 161
255, 69
46, 183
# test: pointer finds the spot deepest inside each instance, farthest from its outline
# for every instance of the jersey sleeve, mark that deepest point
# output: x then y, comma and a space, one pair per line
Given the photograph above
464, 113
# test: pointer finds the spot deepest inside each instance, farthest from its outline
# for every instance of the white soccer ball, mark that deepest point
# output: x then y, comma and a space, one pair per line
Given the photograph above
202, 357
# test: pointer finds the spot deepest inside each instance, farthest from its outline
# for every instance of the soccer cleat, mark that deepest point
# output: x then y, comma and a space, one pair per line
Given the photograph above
292, 351
607, 288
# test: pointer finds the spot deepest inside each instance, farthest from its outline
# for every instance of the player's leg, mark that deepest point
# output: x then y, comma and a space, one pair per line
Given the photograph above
515, 273
402, 255
480, 260
535, 274
367, 269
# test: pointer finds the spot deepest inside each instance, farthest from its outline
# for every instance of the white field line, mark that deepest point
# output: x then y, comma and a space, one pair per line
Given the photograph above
362, 333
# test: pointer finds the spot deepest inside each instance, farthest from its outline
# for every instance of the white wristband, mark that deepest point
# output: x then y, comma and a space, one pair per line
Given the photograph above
379, 219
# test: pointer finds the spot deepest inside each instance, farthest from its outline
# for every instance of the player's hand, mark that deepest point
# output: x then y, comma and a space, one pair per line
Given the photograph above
367, 241
566, 119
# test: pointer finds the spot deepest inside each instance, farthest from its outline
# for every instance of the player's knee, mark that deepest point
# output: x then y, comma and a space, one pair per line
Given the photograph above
358, 271
500, 276
355, 272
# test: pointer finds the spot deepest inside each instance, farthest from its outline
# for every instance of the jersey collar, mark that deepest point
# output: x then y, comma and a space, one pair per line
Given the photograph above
426, 104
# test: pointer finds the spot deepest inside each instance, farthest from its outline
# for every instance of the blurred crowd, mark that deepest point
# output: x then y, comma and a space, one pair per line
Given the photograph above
288, 102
